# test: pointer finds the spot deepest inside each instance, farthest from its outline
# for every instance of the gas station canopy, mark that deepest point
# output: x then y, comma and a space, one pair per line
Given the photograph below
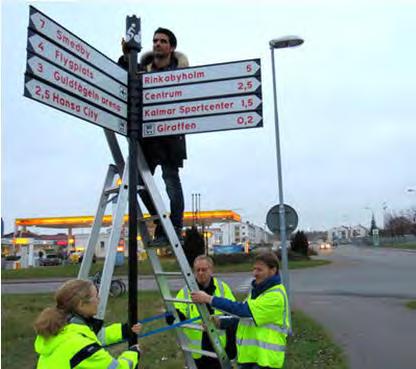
206, 217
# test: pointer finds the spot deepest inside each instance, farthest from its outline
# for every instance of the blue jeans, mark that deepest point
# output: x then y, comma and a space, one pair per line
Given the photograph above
170, 175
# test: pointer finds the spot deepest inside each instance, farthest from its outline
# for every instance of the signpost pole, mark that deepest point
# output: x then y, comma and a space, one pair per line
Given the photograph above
133, 42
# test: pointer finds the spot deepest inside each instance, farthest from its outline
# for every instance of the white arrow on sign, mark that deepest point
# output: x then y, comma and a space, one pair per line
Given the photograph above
48, 95
69, 41
244, 68
197, 90
203, 124
201, 107
67, 61
66, 81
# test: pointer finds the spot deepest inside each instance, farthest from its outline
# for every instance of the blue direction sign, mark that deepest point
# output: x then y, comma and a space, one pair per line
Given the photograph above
44, 25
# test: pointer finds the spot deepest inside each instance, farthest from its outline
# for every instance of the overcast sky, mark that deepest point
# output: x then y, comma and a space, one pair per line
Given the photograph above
346, 103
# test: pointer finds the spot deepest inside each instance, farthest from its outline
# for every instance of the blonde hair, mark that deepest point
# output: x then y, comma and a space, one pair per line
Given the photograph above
52, 319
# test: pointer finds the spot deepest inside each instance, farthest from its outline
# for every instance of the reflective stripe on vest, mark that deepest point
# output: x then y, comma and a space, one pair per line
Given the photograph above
123, 358
261, 344
101, 336
114, 364
249, 322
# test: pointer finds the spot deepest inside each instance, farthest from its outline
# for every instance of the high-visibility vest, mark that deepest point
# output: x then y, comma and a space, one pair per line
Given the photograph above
190, 311
77, 347
262, 338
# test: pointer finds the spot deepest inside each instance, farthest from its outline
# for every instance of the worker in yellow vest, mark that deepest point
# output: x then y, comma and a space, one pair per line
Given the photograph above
69, 337
264, 316
203, 270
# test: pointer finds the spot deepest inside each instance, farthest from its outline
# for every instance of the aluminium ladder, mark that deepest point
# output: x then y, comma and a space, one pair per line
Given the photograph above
109, 192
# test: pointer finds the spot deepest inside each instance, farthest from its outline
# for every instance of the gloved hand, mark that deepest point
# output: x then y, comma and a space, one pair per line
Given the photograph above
136, 348
170, 318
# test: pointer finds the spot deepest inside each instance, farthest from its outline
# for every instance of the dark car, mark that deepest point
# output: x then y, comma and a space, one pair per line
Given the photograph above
50, 259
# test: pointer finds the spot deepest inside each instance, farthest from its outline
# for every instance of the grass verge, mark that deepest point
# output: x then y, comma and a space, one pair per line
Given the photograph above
408, 246
411, 304
309, 347
168, 264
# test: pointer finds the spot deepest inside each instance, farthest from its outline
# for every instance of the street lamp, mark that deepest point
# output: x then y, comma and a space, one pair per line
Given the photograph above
281, 43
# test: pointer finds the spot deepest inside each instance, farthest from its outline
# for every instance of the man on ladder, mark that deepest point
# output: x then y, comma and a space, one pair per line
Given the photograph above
168, 151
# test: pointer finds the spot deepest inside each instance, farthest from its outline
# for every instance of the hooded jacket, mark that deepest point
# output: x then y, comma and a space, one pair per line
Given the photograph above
165, 149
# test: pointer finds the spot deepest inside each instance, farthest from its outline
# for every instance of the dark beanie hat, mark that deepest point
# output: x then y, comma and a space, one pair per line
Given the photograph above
169, 33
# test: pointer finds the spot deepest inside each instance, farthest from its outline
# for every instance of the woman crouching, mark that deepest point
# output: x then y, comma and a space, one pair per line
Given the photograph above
69, 337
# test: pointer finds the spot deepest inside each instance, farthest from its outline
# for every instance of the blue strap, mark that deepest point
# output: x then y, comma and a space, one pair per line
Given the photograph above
158, 330
153, 318
167, 328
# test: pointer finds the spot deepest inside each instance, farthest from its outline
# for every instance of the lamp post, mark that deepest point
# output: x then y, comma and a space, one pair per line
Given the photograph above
281, 43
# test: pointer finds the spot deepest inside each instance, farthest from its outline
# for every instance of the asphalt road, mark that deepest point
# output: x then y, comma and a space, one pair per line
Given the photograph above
360, 298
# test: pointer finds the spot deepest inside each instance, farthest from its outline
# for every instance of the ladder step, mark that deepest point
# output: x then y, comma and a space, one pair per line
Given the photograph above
172, 299
111, 190
197, 327
176, 274
201, 352
149, 219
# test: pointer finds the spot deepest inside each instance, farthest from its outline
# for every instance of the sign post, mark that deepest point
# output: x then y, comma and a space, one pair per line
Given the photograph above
133, 43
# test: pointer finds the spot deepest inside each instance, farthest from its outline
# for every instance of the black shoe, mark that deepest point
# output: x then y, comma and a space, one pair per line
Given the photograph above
159, 241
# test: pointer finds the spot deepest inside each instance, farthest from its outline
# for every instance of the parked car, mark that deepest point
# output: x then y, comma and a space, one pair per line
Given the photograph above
50, 259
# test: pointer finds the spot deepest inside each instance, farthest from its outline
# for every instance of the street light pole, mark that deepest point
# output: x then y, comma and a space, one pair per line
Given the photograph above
284, 42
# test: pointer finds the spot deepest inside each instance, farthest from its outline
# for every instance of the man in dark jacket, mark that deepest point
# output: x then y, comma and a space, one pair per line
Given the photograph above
168, 151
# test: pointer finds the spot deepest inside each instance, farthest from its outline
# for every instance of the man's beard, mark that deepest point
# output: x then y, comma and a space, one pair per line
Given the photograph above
159, 54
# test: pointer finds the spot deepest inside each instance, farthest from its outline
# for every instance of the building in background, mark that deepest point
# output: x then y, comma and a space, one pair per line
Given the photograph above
347, 233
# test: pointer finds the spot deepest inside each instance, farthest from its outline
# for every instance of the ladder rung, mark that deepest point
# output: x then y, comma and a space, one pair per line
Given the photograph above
201, 352
149, 219
183, 301
197, 327
179, 274
111, 190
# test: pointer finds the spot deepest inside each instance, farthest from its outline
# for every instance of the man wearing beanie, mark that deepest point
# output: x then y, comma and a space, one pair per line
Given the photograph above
168, 151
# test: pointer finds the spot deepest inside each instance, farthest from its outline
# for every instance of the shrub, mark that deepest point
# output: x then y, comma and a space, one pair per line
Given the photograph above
224, 259
299, 243
194, 244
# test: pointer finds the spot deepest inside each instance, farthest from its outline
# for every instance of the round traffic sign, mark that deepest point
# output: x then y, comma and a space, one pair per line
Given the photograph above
273, 219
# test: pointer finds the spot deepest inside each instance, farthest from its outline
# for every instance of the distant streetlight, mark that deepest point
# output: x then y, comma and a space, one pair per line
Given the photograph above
280, 43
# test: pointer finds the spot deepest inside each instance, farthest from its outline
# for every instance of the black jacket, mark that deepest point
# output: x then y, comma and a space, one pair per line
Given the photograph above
165, 149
